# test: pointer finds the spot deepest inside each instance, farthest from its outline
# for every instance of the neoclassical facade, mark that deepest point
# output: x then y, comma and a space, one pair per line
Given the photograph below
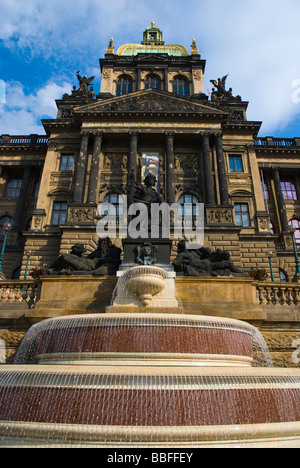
151, 115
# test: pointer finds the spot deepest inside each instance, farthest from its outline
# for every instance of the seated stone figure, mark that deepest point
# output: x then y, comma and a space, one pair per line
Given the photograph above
107, 257
105, 260
204, 262
67, 264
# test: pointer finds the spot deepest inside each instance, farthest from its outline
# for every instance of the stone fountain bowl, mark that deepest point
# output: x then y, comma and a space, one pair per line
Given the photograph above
145, 286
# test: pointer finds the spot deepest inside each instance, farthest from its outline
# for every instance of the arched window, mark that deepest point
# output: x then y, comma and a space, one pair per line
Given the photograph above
152, 81
181, 86
5, 220
117, 201
124, 85
295, 223
189, 205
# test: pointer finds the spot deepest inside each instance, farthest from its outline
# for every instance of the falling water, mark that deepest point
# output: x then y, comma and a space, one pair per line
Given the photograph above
149, 384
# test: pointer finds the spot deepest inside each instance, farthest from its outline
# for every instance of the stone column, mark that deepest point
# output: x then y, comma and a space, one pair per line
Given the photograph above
81, 169
166, 79
19, 213
170, 167
94, 175
223, 184
280, 200
133, 149
139, 80
210, 198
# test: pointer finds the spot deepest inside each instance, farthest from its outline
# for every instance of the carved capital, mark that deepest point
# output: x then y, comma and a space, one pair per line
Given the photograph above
170, 135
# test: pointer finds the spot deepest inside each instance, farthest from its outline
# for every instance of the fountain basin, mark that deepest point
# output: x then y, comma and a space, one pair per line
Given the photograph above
161, 407
139, 339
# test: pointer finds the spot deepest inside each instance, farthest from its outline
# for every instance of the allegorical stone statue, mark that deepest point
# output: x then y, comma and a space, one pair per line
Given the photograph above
204, 262
85, 89
145, 193
105, 260
220, 91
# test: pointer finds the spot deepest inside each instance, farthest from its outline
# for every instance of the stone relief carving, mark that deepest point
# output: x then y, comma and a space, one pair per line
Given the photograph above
115, 162
219, 215
150, 103
83, 215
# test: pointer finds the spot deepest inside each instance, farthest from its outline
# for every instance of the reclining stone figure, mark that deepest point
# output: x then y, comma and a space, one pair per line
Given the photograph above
204, 262
105, 260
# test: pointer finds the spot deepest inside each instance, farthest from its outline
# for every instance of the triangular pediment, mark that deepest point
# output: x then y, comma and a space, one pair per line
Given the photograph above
150, 100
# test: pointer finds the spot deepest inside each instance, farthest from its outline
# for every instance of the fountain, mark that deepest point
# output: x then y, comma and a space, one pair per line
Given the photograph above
145, 374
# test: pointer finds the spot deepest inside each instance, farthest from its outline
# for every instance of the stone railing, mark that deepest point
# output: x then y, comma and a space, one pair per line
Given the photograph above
278, 293
18, 293
277, 142
23, 140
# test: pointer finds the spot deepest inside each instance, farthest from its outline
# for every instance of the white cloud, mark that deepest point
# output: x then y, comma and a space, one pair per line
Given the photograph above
21, 113
256, 41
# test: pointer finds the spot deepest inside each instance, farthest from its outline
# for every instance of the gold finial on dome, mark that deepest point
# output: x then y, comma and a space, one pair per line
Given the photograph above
153, 24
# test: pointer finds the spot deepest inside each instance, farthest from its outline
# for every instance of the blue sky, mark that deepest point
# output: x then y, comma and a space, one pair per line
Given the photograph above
43, 44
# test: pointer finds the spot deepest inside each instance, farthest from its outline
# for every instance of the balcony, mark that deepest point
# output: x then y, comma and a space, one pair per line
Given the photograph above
277, 142
16, 140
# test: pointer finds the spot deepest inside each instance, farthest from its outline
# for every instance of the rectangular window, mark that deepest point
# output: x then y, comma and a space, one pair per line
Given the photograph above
242, 215
236, 163
265, 191
59, 214
13, 188
66, 162
288, 187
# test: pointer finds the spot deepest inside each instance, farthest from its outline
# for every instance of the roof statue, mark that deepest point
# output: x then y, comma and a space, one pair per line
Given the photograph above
85, 89
220, 91
110, 49
195, 50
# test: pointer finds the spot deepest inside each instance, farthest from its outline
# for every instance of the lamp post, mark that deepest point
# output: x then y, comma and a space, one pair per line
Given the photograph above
7, 227
28, 253
297, 275
270, 254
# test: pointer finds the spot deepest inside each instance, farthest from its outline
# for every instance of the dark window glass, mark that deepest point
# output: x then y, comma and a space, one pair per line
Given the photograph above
67, 162
288, 188
181, 86
242, 216
124, 85
116, 200
152, 81
236, 164
13, 188
189, 205
59, 214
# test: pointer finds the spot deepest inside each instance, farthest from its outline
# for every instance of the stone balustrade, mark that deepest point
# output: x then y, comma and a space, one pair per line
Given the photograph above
17, 293
278, 294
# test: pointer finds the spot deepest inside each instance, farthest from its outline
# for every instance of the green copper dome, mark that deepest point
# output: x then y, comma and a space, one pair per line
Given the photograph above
153, 44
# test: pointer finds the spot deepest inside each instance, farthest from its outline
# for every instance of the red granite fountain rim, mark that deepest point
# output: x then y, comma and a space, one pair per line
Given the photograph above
134, 339
150, 406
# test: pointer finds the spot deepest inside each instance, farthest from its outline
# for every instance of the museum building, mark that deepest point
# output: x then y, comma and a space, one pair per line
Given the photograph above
151, 115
